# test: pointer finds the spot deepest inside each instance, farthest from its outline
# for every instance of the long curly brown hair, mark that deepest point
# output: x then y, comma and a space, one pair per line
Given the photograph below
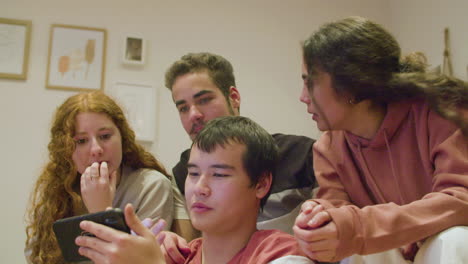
365, 63
56, 193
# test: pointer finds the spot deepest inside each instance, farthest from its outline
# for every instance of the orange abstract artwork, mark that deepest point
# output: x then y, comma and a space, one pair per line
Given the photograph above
74, 61
89, 53
64, 64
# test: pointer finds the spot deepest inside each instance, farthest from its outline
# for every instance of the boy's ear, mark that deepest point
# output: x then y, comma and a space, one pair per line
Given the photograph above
234, 97
263, 185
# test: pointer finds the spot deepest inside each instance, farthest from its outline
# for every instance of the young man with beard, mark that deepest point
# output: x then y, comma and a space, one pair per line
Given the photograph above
203, 88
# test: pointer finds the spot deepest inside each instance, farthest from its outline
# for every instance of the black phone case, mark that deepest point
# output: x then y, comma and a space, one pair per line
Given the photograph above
66, 230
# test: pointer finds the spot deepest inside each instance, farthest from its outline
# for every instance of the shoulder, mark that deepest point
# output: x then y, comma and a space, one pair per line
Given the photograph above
268, 246
422, 110
427, 123
184, 156
183, 159
150, 175
282, 139
144, 177
274, 244
330, 142
180, 168
271, 235
293, 146
417, 110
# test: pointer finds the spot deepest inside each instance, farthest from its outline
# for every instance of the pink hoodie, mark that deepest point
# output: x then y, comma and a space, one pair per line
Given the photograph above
407, 183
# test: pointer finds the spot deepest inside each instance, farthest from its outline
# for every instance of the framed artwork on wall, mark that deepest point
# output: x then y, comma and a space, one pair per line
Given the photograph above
134, 50
15, 38
77, 58
139, 102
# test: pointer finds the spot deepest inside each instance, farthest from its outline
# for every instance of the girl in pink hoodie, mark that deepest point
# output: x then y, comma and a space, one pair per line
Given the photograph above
392, 164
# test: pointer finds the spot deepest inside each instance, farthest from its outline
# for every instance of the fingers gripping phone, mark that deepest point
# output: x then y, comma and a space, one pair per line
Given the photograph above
67, 229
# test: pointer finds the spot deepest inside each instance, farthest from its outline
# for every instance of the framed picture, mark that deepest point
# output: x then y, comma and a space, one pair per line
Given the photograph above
139, 101
76, 58
134, 50
15, 37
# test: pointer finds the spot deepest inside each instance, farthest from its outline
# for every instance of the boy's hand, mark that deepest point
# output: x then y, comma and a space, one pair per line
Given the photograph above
116, 247
174, 248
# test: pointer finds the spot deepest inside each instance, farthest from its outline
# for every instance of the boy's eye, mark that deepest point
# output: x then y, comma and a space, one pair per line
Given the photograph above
183, 109
193, 174
220, 175
204, 100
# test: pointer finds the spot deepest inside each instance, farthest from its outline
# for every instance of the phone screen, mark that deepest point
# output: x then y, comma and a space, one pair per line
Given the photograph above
67, 229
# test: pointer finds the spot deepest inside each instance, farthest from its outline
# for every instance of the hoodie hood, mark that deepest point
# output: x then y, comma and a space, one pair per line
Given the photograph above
396, 114
394, 118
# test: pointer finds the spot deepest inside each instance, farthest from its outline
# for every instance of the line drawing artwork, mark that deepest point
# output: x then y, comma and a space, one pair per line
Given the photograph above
14, 48
140, 104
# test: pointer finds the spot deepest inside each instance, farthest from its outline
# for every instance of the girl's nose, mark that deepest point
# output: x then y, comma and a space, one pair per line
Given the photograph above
96, 148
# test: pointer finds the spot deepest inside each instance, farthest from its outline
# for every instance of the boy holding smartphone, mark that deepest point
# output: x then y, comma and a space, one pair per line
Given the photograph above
229, 179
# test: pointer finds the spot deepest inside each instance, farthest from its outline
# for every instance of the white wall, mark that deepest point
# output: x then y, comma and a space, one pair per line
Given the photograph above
261, 38
419, 26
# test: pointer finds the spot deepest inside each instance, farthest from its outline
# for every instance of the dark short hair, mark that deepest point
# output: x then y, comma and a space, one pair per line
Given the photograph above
261, 152
218, 68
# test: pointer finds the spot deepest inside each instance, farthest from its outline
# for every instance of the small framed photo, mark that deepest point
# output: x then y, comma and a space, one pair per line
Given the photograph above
77, 58
134, 50
15, 37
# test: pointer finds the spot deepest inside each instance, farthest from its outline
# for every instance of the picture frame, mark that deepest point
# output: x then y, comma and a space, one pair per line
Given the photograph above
77, 58
134, 51
140, 104
15, 40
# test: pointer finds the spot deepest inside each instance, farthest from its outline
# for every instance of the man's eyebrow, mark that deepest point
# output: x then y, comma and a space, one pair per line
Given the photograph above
195, 96
305, 76
191, 165
202, 92
222, 166
216, 166
179, 102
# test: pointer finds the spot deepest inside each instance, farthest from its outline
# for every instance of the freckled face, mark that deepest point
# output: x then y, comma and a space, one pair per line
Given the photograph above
97, 139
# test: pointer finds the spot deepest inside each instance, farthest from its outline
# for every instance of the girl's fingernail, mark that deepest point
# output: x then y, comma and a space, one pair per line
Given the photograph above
312, 222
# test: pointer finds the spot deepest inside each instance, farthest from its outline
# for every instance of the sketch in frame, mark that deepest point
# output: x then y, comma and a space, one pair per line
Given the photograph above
134, 50
76, 58
140, 104
15, 38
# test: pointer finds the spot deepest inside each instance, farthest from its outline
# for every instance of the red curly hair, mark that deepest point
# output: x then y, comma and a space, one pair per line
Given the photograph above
56, 193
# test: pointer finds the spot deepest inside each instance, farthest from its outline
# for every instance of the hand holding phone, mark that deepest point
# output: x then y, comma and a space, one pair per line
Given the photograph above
66, 230
112, 246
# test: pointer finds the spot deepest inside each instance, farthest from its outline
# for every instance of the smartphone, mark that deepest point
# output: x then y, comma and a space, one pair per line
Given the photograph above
67, 229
